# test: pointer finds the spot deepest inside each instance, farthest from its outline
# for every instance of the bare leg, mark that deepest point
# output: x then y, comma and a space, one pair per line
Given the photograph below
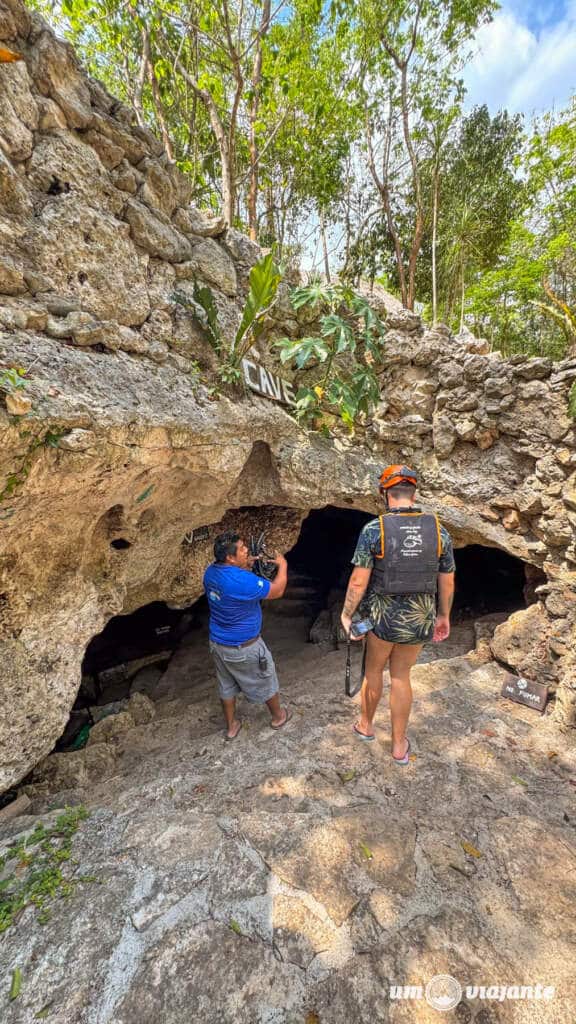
277, 712
402, 660
377, 654
232, 723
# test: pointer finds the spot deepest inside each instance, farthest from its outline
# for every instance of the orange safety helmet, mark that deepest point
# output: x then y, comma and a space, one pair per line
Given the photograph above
397, 474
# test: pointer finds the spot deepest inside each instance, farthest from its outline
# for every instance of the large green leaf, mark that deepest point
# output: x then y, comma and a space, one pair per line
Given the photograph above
302, 350
264, 280
204, 297
207, 320
310, 295
333, 326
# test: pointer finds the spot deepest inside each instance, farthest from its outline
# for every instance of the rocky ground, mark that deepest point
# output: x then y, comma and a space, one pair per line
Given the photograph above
294, 877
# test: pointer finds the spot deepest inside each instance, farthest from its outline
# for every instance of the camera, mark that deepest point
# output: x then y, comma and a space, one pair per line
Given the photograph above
263, 564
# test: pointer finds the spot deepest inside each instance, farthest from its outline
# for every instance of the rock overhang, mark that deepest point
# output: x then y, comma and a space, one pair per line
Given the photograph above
117, 408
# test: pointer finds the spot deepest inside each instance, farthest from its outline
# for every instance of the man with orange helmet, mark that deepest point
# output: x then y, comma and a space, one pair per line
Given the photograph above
402, 561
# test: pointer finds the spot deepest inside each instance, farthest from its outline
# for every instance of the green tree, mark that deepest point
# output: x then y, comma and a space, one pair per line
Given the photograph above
239, 90
527, 301
411, 55
480, 194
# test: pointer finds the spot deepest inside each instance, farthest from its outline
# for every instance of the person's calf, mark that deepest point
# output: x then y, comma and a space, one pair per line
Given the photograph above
370, 696
233, 724
278, 714
400, 707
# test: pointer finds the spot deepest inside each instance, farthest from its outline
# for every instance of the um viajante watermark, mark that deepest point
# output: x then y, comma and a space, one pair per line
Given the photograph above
443, 992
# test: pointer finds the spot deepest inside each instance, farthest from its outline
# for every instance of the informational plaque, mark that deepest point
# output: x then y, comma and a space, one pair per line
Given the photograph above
201, 533
525, 691
265, 383
194, 536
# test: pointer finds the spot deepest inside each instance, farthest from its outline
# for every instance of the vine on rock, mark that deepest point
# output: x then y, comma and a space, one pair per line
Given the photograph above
33, 868
48, 439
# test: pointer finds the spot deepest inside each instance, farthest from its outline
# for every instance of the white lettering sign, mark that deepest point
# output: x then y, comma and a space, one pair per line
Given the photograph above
265, 383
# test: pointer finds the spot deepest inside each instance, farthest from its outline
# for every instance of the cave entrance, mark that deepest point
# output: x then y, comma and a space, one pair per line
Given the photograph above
129, 656
489, 581
134, 651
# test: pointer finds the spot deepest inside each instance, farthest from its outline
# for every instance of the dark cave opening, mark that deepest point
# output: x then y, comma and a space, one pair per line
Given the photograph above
149, 632
120, 544
129, 656
488, 580
133, 650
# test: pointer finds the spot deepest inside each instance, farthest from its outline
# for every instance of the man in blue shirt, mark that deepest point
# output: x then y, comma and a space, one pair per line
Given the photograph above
243, 662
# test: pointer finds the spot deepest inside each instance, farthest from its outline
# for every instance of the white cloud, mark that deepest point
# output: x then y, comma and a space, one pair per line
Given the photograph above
523, 70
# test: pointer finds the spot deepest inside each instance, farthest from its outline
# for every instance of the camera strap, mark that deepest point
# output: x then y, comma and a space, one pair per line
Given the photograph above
350, 689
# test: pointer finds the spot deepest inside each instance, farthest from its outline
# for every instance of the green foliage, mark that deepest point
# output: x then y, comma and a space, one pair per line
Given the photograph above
203, 311
188, 70
145, 494
12, 380
467, 167
263, 287
354, 119
48, 439
16, 984
348, 348
480, 193
527, 301
264, 280
38, 876
412, 56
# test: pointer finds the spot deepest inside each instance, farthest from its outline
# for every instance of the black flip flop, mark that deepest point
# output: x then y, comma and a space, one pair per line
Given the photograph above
285, 722
363, 735
229, 739
406, 759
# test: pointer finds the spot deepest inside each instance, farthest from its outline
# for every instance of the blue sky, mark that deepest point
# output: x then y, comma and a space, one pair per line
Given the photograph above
526, 59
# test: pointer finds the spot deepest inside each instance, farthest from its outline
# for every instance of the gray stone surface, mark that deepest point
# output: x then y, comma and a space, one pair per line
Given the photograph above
154, 235
250, 882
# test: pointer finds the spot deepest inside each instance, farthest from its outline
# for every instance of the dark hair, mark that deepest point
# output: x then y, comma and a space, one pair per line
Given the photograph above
225, 545
403, 491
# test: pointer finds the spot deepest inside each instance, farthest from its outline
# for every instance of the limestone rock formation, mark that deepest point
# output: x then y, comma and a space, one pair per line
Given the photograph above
123, 444
282, 879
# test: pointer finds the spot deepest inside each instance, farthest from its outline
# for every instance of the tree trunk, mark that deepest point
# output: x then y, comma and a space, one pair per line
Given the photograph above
434, 242
413, 259
324, 247
227, 170
270, 223
384, 190
140, 79
419, 225
255, 105
160, 114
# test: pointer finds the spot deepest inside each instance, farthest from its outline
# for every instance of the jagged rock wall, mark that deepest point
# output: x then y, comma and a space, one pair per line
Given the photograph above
122, 442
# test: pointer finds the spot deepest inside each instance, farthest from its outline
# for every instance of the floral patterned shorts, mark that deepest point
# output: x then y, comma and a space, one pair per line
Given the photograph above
401, 618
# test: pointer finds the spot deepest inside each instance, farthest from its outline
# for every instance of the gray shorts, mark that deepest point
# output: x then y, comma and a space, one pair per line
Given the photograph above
242, 670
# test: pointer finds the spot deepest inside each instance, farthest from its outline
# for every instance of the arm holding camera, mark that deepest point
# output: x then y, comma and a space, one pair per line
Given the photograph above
278, 584
356, 590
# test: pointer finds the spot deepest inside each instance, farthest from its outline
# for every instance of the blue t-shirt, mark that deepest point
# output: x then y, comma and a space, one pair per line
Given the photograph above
234, 597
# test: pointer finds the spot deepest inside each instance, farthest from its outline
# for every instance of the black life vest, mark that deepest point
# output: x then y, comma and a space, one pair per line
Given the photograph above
410, 549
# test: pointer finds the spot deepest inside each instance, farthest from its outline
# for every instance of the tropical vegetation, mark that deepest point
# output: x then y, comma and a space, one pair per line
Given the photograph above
339, 134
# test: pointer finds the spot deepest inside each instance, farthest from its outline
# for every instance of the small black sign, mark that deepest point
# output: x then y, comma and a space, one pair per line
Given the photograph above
201, 533
193, 536
524, 691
